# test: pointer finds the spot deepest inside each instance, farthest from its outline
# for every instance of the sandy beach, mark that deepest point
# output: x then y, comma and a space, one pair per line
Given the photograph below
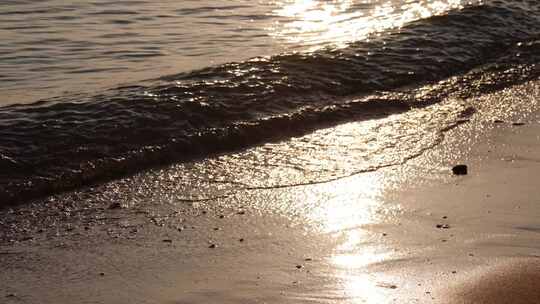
411, 232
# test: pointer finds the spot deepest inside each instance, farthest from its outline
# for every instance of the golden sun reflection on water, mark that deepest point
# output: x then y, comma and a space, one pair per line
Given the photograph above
318, 23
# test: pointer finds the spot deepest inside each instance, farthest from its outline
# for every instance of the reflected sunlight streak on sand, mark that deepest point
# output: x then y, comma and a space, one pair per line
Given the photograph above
347, 210
349, 207
356, 202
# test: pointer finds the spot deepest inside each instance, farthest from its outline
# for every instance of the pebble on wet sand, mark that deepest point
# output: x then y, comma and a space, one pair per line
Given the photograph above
387, 285
212, 246
460, 170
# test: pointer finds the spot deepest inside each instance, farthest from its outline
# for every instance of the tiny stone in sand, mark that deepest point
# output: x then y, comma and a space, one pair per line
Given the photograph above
460, 170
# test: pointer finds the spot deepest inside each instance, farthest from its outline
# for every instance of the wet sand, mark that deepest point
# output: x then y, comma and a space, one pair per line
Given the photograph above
510, 281
408, 233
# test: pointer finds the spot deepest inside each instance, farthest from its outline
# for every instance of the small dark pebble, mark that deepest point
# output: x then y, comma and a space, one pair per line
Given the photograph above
299, 266
216, 229
222, 216
384, 234
386, 285
241, 240
86, 228
454, 272
115, 206
40, 231
308, 259
204, 212
102, 273
212, 246
460, 170
498, 121
518, 124
11, 295
445, 217
167, 241
443, 226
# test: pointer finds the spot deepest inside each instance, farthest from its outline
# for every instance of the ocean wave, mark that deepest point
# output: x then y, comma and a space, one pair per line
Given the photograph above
67, 142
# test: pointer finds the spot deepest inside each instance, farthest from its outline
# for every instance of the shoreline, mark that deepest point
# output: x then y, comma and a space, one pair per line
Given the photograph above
370, 237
